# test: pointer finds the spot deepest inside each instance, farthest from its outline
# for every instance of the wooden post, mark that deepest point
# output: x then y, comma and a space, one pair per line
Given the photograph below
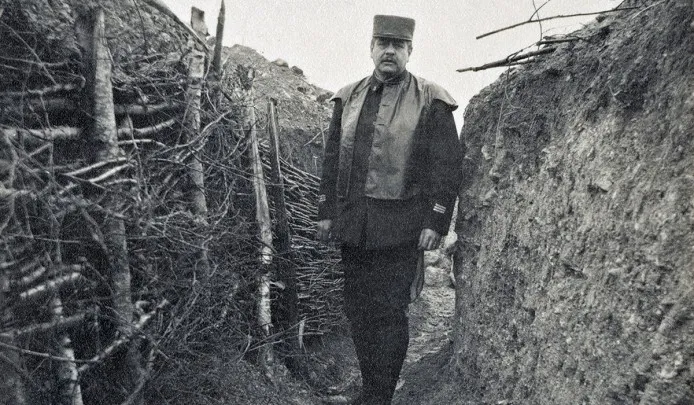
191, 124
215, 78
217, 58
104, 146
262, 215
288, 311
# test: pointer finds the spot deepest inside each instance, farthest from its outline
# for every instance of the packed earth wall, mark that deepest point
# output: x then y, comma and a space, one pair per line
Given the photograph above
575, 268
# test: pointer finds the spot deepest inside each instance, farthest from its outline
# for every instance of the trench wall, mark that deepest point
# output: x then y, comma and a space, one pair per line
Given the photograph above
575, 274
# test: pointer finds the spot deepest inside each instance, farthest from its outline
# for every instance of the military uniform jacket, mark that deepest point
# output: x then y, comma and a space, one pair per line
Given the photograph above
392, 163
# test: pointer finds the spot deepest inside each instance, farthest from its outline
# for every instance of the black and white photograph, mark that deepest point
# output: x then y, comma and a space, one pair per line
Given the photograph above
347, 202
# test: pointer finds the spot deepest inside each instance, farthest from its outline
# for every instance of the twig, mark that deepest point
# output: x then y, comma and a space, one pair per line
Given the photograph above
147, 130
8, 193
43, 355
30, 278
646, 8
96, 166
47, 134
109, 173
537, 9
143, 109
531, 21
558, 41
50, 285
509, 60
537, 12
57, 325
7, 265
316, 136
120, 181
139, 141
44, 91
30, 266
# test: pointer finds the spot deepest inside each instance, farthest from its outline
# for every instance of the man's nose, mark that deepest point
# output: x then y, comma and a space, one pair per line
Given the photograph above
390, 48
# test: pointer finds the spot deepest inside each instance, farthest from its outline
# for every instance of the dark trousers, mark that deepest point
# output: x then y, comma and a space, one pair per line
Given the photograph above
376, 296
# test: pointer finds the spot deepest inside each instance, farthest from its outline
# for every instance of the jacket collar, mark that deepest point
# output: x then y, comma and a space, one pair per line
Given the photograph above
375, 82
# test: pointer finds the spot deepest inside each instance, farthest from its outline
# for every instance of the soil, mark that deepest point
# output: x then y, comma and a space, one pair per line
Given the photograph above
575, 282
303, 109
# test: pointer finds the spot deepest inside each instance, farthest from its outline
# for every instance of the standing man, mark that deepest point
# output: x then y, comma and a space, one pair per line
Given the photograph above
391, 172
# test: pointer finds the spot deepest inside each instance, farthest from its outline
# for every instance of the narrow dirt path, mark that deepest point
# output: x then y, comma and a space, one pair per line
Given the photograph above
431, 318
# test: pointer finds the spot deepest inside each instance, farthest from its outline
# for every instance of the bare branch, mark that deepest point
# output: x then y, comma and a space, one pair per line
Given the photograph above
9, 193
44, 91
50, 285
7, 265
537, 9
96, 166
147, 130
139, 141
531, 21
57, 325
109, 173
30, 278
143, 109
46, 134
43, 355
321, 132
646, 8
508, 60
41, 270
558, 41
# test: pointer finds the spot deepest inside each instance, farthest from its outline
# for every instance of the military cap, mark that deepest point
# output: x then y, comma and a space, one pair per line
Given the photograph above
391, 26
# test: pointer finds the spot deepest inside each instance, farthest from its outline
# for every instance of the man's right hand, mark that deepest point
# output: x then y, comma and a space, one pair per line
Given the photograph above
324, 231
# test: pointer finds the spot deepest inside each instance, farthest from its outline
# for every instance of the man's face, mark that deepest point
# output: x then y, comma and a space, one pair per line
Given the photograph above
390, 56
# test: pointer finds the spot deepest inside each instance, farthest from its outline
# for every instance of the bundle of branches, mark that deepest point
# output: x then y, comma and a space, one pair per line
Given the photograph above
107, 259
319, 276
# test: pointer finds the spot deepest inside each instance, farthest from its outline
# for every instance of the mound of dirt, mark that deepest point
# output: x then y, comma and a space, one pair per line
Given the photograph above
575, 282
303, 109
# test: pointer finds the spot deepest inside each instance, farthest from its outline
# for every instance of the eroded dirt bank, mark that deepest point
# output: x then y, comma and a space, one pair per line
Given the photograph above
575, 276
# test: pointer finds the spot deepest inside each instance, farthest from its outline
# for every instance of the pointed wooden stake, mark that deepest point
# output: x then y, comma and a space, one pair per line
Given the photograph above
286, 272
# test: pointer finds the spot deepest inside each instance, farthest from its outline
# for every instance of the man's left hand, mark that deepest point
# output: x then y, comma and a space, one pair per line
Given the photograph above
429, 239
